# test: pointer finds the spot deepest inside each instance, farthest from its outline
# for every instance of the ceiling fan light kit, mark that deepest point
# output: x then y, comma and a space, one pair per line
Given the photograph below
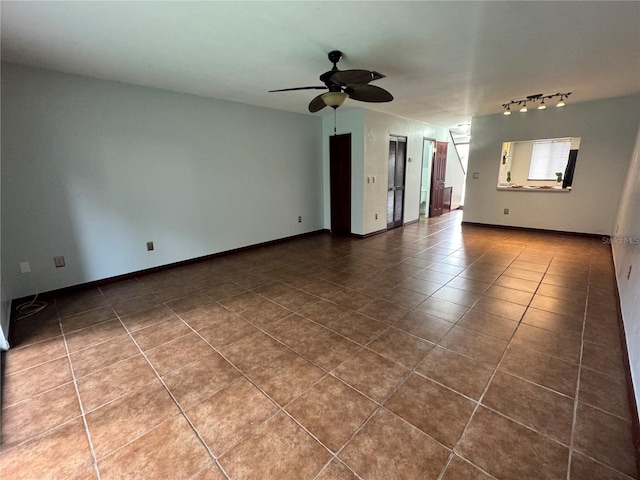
334, 99
343, 84
533, 99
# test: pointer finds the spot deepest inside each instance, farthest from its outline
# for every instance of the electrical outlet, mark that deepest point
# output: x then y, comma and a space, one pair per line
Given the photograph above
506, 211
368, 179
150, 246
25, 267
376, 216
300, 219
59, 261
475, 175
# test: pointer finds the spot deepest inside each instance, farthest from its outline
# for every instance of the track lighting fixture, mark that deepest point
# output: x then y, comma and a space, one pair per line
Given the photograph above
539, 97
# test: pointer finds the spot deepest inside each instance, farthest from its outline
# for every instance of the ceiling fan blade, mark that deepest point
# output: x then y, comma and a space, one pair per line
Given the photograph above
317, 104
317, 87
369, 93
352, 77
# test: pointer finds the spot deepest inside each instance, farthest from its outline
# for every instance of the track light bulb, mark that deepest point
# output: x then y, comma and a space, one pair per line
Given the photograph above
524, 108
561, 102
542, 105
507, 111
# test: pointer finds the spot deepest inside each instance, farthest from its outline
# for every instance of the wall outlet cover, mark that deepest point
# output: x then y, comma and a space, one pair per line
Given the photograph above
59, 261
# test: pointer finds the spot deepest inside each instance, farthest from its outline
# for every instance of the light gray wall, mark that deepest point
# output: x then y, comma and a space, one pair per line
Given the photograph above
607, 129
378, 128
5, 303
626, 254
92, 170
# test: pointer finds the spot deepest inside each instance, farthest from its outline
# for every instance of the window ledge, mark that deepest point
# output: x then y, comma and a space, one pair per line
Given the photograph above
533, 188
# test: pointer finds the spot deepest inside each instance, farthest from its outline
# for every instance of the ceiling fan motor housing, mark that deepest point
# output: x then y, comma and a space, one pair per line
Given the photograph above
335, 56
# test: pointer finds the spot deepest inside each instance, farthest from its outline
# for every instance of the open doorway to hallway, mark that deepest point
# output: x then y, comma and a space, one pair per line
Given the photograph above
450, 190
428, 150
433, 191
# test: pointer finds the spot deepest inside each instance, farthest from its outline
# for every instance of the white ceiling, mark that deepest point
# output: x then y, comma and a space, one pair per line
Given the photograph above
444, 61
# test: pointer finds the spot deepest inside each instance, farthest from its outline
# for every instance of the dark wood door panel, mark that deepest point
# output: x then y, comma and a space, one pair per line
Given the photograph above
438, 178
340, 179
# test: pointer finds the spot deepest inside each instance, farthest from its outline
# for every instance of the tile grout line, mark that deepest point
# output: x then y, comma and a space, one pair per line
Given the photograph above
577, 390
173, 398
282, 409
80, 404
478, 403
380, 405
505, 350
279, 409
489, 382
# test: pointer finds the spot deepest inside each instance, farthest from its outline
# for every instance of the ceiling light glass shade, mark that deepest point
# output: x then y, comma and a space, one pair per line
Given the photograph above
524, 108
334, 99
507, 111
561, 103
542, 106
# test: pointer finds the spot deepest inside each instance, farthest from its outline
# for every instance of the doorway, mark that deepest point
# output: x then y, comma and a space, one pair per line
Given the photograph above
438, 177
396, 181
428, 151
340, 183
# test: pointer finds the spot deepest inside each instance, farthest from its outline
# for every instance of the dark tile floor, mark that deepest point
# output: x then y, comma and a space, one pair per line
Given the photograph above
432, 351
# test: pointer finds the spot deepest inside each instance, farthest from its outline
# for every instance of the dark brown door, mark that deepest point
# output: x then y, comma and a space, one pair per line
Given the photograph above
340, 178
438, 176
396, 180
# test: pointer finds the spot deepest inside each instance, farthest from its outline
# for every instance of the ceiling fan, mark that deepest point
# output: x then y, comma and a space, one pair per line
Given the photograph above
343, 84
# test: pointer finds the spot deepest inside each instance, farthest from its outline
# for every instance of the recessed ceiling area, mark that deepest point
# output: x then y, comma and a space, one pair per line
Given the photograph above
444, 61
